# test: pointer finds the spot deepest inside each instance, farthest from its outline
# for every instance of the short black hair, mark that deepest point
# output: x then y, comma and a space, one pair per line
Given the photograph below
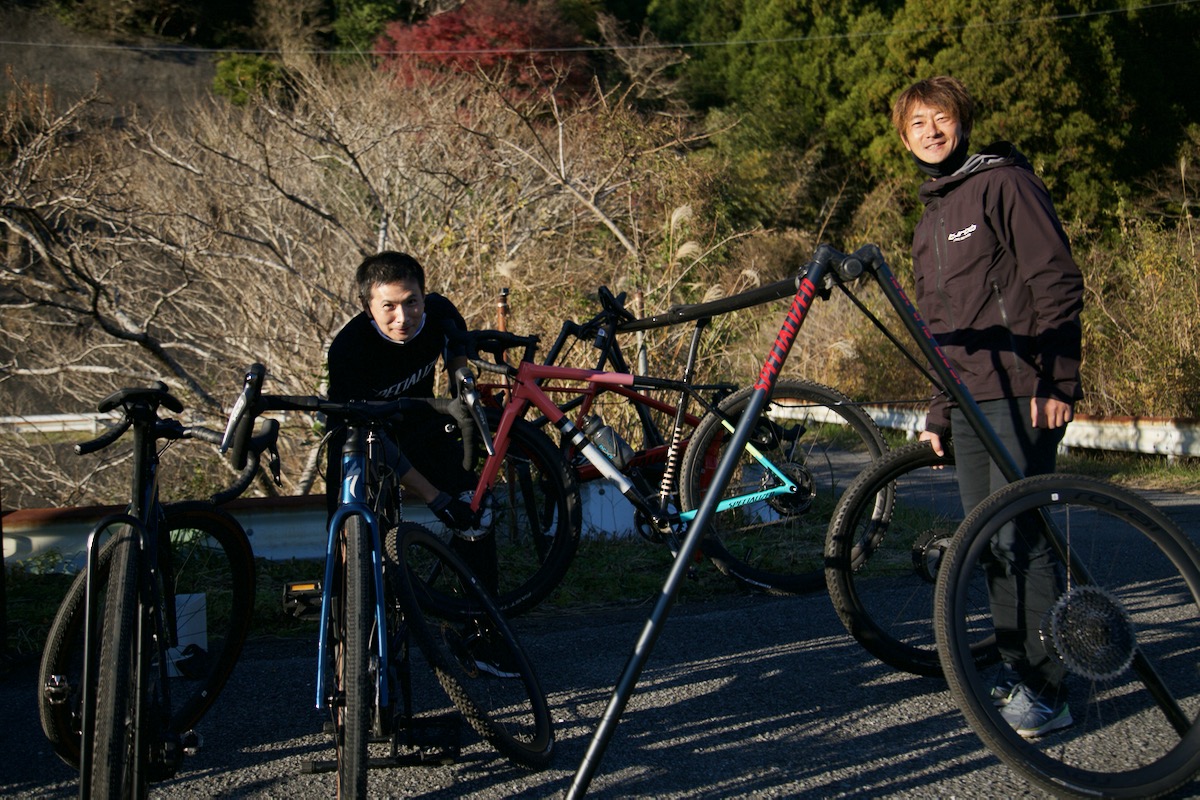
387, 267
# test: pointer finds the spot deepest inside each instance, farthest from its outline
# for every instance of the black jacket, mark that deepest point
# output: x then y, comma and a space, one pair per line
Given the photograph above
996, 283
366, 365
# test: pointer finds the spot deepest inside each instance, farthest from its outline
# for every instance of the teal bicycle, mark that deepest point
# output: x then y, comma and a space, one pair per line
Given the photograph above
808, 444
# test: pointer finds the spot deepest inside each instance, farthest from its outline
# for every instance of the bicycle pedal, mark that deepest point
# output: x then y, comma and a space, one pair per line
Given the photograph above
57, 689
192, 742
302, 599
165, 759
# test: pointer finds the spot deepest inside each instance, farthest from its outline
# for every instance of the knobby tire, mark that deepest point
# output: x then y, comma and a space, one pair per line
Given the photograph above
211, 555
510, 713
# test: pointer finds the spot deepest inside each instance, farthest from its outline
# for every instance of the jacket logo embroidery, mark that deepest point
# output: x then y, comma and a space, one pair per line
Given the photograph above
962, 235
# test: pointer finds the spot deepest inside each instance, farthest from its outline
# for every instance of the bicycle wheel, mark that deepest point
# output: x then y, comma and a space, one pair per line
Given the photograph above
212, 580
535, 523
818, 439
1120, 631
883, 550
351, 623
477, 658
116, 722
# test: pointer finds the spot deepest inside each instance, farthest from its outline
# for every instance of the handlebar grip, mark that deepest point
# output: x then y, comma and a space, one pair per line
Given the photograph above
203, 434
105, 439
487, 366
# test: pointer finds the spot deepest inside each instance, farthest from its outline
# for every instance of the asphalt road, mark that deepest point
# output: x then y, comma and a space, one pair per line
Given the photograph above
755, 697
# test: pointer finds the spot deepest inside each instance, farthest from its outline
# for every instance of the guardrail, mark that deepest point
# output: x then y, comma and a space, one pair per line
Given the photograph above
294, 527
1173, 438
279, 528
57, 423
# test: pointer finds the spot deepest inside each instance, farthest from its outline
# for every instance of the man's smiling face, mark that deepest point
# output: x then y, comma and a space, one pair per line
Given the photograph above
397, 309
931, 134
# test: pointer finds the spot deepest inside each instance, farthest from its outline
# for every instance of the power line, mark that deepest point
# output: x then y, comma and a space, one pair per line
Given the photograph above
185, 49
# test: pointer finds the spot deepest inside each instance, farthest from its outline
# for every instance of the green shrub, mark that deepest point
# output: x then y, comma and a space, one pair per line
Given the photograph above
241, 76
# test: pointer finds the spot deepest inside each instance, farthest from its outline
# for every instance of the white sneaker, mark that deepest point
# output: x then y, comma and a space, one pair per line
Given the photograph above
1031, 716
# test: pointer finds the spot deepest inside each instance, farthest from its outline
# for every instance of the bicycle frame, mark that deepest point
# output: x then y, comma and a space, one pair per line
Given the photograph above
362, 422
352, 501
827, 269
612, 321
532, 385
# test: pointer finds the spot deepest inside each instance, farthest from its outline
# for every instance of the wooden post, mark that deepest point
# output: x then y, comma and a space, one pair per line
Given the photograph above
502, 310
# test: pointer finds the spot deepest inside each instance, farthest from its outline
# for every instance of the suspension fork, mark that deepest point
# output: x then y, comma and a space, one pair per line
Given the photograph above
675, 450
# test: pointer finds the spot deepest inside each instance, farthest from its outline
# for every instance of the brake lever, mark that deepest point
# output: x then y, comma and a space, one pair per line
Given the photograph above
273, 464
470, 396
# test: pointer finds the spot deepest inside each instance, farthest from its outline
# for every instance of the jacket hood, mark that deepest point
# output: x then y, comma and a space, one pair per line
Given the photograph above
999, 154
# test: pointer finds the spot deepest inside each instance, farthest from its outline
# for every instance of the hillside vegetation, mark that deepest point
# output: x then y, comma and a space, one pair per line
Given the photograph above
141, 244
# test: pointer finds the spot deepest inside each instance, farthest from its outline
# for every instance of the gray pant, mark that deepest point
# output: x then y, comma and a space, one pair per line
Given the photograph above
1024, 576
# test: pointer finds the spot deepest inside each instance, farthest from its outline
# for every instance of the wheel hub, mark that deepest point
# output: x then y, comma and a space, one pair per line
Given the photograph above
927, 552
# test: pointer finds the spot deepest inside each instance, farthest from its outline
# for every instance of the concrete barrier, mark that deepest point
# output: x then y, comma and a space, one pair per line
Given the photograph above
279, 528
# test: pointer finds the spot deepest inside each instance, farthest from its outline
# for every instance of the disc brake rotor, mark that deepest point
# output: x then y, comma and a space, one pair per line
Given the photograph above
796, 502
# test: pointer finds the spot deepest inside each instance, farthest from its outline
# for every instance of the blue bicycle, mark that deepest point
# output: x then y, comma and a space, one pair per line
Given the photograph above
371, 605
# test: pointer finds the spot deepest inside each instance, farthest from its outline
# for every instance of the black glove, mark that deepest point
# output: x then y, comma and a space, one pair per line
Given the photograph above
453, 513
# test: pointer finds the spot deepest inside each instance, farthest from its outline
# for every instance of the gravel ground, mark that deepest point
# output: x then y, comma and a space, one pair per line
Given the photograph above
757, 697
751, 697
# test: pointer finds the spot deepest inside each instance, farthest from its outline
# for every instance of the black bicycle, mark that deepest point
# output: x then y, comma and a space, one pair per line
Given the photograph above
150, 631
910, 577
371, 606
1122, 627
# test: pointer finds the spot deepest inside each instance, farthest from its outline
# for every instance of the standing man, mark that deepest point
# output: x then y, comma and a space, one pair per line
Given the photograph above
999, 290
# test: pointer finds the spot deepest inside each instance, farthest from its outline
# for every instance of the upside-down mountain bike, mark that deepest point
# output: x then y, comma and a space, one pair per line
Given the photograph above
919, 587
1121, 628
